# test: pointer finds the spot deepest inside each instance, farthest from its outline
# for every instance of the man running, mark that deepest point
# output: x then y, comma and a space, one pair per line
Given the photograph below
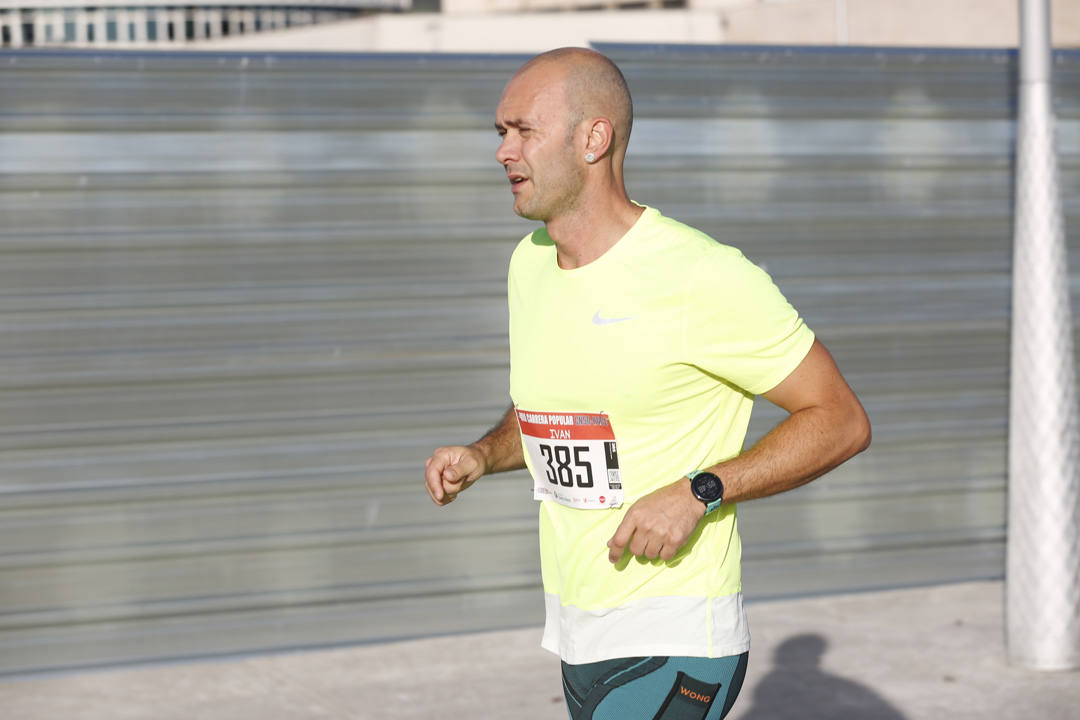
637, 345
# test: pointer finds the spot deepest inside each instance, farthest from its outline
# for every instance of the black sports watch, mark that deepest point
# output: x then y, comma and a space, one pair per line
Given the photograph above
707, 488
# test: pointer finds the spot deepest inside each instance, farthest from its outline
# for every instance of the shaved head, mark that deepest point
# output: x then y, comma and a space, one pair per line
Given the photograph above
593, 87
564, 119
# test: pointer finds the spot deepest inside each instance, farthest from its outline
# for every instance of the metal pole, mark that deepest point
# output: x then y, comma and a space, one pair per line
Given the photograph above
1043, 553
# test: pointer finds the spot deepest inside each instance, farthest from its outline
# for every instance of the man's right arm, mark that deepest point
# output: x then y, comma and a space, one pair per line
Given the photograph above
453, 469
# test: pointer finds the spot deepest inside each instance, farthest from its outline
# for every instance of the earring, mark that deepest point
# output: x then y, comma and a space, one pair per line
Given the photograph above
589, 157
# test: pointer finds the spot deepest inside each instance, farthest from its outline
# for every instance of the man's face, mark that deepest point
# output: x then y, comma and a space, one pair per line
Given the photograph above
537, 147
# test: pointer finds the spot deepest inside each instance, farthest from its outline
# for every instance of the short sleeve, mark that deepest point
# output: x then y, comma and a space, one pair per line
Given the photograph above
739, 326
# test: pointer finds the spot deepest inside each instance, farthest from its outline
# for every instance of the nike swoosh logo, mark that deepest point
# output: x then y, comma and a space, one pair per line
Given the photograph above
597, 320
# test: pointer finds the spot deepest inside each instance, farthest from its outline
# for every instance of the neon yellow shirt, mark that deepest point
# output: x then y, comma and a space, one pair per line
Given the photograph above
671, 334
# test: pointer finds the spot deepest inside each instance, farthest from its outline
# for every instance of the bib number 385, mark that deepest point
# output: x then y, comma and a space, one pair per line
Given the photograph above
574, 458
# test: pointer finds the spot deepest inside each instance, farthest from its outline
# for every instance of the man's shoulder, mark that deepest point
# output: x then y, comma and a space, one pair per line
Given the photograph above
672, 236
534, 243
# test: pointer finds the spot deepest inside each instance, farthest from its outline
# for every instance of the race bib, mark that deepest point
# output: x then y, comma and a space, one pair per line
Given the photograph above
574, 458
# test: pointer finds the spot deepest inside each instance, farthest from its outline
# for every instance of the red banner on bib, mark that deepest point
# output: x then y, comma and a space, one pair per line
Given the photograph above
565, 426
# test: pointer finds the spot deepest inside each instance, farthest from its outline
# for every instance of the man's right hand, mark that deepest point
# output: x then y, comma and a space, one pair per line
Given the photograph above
451, 470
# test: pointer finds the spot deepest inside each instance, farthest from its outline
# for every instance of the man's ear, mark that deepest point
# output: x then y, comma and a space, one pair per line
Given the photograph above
601, 135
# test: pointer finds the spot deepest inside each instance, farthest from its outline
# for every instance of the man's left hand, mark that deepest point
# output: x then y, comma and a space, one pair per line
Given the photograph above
658, 524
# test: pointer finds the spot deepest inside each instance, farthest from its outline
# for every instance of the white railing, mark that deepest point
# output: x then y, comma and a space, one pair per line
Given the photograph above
61, 4
152, 23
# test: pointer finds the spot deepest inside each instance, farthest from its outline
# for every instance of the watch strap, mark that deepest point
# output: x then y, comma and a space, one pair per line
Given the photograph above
709, 506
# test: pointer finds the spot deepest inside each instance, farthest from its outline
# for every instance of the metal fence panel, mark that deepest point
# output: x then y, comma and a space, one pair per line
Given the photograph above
242, 296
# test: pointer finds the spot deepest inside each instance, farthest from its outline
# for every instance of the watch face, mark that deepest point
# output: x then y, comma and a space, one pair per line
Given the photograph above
707, 487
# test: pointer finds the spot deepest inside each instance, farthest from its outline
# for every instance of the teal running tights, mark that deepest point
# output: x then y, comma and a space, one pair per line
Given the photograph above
653, 688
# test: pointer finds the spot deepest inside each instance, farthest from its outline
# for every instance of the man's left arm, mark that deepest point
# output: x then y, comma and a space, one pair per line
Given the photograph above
826, 425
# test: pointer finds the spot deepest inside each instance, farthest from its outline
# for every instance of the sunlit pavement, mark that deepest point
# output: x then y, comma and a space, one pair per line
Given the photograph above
918, 654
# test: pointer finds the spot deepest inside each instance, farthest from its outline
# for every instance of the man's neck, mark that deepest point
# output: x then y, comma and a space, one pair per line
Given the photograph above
583, 235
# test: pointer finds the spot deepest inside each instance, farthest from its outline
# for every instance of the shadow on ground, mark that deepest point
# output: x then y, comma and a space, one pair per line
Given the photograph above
798, 688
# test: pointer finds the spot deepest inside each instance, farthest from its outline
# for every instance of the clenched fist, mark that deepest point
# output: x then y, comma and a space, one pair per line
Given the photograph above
451, 470
658, 524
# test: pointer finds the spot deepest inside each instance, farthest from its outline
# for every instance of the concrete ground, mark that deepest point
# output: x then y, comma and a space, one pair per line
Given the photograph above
917, 654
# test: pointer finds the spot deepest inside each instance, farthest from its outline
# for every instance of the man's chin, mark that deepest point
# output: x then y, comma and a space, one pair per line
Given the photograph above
529, 213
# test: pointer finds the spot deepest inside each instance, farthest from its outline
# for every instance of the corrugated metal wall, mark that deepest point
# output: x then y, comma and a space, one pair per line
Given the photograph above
243, 296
